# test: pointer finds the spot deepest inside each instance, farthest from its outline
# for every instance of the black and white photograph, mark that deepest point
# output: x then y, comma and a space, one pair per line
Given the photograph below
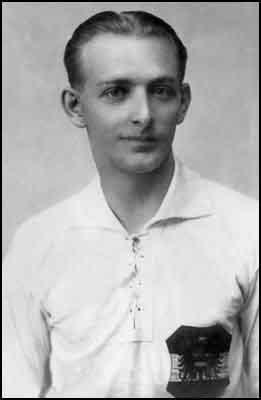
130, 200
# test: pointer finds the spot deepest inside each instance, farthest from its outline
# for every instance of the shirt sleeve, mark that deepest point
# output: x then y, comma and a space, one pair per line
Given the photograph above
249, 319
25, 344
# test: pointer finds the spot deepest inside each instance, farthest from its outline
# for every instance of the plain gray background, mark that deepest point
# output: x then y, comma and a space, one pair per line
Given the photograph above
46, 159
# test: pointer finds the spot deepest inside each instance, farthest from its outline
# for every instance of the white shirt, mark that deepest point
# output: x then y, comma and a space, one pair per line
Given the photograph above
90, 311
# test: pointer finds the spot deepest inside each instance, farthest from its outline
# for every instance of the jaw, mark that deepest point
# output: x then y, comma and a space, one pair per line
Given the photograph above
141, 162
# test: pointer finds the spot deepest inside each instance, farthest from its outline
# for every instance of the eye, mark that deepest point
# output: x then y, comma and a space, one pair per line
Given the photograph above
163, 92
116, 93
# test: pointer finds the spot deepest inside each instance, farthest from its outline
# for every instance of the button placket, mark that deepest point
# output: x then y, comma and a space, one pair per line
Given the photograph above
136, 307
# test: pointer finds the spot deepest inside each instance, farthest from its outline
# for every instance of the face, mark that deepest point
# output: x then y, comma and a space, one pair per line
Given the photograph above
132, 101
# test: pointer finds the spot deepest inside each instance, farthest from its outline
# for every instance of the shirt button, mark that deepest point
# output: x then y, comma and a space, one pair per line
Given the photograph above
135, 244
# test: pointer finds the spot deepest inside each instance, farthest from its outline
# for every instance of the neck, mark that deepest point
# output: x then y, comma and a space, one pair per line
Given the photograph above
135, 198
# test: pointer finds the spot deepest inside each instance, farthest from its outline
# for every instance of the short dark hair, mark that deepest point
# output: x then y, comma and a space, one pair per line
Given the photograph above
139, 23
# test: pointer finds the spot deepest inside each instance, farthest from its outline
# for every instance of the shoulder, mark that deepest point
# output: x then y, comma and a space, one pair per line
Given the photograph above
235, 209
237, 220
38, 232
63, 215
50, 221
238, 209
234, 222
34, 238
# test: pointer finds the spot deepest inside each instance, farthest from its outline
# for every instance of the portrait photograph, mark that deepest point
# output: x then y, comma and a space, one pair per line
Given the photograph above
130, 200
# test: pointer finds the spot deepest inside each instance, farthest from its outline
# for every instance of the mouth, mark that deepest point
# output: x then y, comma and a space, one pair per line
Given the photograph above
139, 139
141, 144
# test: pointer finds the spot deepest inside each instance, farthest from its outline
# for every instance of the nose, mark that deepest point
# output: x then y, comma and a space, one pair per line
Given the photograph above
141, 111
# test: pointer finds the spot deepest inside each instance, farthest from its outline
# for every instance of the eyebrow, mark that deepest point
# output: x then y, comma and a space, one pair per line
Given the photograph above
128, 81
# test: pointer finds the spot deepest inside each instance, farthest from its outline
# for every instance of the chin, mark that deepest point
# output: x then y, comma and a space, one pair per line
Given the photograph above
142, 166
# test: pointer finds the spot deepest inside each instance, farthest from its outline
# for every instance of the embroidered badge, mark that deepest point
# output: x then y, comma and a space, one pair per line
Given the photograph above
199, 361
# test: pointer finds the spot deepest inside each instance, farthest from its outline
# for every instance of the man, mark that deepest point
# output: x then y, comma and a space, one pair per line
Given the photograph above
145, 283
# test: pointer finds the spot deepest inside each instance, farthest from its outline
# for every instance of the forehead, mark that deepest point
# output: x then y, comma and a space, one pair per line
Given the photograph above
109, 56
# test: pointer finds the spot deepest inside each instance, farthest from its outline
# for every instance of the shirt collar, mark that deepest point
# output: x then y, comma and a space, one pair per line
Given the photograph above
186, 198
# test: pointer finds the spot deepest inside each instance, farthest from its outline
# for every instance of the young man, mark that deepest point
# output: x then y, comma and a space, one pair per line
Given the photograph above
145, 283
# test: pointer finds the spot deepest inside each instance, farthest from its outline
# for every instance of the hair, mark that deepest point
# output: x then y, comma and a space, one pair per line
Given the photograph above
128, 23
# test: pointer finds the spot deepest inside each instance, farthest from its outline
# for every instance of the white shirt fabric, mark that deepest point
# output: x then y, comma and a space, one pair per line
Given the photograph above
91, 311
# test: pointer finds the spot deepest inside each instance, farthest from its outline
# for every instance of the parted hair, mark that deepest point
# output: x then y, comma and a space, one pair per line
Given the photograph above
132, 23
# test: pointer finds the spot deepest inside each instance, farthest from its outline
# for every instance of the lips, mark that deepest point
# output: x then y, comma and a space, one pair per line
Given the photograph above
139, 139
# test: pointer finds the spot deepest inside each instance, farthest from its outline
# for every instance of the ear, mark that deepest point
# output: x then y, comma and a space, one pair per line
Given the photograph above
71, 103
185, 102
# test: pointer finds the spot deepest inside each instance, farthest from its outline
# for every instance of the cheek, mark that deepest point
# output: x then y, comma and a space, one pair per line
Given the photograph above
167, 114
101, 118
166, 120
